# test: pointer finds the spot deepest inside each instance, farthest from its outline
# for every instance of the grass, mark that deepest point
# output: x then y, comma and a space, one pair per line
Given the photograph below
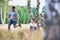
21, 35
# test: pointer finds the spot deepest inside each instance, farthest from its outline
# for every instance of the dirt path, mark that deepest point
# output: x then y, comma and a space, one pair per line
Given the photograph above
37, 35
5, 27
24, 26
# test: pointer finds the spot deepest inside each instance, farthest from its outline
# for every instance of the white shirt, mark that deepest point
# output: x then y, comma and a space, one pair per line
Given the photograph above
33, 25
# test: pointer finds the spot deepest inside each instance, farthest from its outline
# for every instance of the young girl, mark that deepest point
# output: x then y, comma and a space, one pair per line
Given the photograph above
33, 25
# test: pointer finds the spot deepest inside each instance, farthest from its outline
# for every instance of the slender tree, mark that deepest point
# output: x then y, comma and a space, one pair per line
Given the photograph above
3, 4
37, 14
29, 8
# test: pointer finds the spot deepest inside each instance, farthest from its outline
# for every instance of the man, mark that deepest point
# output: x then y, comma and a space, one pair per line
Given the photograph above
13, 16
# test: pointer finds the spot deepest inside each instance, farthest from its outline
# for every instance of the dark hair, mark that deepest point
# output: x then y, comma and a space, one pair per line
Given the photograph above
33, 19
41, 15
13, 7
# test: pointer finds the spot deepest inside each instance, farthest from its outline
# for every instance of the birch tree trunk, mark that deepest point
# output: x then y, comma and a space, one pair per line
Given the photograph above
3, 11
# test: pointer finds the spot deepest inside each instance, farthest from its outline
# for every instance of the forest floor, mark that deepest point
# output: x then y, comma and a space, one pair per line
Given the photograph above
18, 33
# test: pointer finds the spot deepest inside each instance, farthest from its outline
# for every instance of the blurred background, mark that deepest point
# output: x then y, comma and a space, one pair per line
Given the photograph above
21, 7
50, 9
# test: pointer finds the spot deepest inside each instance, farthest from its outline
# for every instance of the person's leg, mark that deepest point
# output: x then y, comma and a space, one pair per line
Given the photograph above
14, 24
9, 24
31, 29
19, 25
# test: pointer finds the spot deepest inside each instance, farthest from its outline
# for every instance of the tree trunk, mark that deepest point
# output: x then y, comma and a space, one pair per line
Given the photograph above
52, 30
37, 14
0, 16
29, 8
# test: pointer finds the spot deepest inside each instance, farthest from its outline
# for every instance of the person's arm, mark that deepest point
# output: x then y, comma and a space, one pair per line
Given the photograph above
36, 25
16, 15
9, 15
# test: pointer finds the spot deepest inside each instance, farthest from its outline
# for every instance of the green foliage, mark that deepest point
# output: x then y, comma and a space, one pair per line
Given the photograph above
24, 17
7, 14
34, 12
43, 9
2, 1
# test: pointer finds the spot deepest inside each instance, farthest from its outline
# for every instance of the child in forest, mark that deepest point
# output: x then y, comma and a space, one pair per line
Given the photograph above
42, 21
33, 25
13, 17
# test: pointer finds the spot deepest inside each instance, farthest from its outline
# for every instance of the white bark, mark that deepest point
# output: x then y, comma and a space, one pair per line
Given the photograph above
3, 18
4, 14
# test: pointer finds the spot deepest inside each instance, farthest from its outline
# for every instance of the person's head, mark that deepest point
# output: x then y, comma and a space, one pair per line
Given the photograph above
41, 15
13, 8
32, 20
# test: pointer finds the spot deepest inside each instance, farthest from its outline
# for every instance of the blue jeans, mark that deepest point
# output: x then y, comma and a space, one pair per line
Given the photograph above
12, 22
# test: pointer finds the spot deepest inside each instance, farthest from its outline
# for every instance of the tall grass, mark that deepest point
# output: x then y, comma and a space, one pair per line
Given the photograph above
21, 35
